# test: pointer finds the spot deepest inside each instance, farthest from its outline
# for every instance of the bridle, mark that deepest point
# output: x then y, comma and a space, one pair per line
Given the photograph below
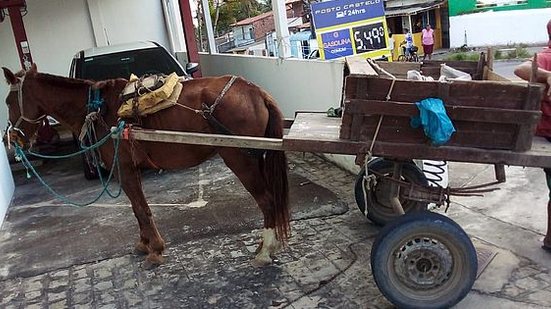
19, 89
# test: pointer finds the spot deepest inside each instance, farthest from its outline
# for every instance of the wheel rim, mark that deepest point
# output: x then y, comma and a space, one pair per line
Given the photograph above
426, 267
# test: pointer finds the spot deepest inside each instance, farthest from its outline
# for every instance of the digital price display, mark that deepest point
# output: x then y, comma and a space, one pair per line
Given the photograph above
369, 37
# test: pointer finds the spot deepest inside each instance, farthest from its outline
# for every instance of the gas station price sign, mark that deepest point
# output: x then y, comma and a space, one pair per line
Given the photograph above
369, 37
351, 27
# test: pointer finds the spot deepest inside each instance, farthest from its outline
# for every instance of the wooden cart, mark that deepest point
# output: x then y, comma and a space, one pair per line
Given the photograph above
422, 259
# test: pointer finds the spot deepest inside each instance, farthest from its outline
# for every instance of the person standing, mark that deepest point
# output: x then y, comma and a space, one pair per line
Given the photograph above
408, 41
428, 41
543, 75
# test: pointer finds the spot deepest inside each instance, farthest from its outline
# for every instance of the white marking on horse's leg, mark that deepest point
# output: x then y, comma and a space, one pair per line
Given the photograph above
269, 246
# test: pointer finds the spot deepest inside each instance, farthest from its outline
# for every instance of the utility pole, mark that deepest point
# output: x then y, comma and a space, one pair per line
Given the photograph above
281, 27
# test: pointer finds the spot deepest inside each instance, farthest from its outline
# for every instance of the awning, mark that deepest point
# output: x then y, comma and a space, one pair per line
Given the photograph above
300, 36
412, 9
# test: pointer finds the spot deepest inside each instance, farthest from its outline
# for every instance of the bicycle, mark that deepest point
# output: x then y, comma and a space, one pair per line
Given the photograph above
412, 57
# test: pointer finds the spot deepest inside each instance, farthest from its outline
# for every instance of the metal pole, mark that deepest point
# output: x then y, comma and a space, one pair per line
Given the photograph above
208, 26
20, 36
282, 30
189, 33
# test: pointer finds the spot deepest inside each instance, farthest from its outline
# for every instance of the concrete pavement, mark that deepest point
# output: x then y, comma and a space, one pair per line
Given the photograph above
55, 256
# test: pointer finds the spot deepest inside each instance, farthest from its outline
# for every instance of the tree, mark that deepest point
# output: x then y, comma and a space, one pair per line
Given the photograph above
225, 13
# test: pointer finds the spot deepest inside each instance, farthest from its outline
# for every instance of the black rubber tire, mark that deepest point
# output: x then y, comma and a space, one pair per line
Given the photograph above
434, 230
402, 58
378, 212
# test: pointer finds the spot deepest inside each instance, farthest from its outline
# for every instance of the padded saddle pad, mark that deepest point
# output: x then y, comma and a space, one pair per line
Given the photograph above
152, 91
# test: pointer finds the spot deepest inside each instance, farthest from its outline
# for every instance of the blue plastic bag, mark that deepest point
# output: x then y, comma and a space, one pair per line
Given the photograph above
434, 120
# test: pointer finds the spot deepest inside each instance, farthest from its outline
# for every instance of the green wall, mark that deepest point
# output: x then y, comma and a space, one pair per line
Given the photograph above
460, 7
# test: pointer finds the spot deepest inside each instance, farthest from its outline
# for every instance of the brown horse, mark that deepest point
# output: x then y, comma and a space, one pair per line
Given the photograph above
245, 109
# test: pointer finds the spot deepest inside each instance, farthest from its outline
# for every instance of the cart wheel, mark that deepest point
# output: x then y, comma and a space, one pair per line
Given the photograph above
424, 260
379, 209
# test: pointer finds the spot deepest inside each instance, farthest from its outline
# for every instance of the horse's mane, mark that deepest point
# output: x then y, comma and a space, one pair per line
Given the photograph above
56, 80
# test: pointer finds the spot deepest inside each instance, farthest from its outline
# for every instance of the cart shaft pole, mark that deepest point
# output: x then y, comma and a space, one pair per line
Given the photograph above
206, 139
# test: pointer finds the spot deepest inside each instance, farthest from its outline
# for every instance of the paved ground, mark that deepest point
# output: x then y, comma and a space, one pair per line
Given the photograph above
56, 256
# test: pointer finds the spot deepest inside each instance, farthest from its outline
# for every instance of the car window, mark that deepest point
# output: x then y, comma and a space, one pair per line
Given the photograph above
138, 62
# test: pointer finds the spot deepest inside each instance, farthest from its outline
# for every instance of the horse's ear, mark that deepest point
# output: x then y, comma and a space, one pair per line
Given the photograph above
10, 77
33, 70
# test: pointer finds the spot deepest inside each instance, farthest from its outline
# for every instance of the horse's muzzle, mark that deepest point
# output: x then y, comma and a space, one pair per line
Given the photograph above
16, 138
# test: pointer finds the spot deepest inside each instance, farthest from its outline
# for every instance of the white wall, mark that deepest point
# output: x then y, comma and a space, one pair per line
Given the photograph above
56, 30
297, 85
500, 28
131, 20
6, 184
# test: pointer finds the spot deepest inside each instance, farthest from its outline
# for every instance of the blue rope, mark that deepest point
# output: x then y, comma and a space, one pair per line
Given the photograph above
95, 102
116, 143
83, 147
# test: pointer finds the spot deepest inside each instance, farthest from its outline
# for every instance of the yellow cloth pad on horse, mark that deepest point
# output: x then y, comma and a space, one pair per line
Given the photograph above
151, 98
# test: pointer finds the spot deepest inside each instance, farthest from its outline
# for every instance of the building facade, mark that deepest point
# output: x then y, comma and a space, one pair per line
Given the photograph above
414, 15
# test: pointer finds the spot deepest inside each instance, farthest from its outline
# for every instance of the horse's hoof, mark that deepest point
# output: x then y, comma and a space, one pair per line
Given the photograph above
261, 261
155, 258
141, 249
147, 265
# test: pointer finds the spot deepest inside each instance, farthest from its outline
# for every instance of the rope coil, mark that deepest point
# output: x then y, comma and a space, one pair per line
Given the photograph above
115, 134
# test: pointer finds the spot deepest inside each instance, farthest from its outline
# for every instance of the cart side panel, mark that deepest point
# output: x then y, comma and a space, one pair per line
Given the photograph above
474, 68
490, 115
399, 69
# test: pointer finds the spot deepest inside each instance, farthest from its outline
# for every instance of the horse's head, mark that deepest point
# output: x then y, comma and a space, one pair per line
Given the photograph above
24, 114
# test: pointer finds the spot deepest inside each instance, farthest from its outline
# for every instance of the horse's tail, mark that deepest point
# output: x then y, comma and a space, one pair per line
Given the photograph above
274, 168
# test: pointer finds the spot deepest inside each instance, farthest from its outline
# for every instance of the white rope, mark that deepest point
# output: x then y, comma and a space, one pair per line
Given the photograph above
368, 180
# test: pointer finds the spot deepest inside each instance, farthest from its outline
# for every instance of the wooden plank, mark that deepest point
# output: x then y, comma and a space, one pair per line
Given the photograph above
219, 140
479, 75
350, 86
355, 129
468, 134
527, 130
399, 69
321, 135
490, 60
465, 93
359, 66
432, 67
491, 75
467, 113
350, 89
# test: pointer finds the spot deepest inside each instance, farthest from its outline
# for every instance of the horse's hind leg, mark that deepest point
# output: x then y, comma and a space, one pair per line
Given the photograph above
150, 242
247, 169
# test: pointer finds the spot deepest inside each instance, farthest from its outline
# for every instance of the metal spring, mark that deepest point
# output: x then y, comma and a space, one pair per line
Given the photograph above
436, 174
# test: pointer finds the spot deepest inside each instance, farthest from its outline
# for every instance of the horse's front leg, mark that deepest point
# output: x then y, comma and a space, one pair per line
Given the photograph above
151, 242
